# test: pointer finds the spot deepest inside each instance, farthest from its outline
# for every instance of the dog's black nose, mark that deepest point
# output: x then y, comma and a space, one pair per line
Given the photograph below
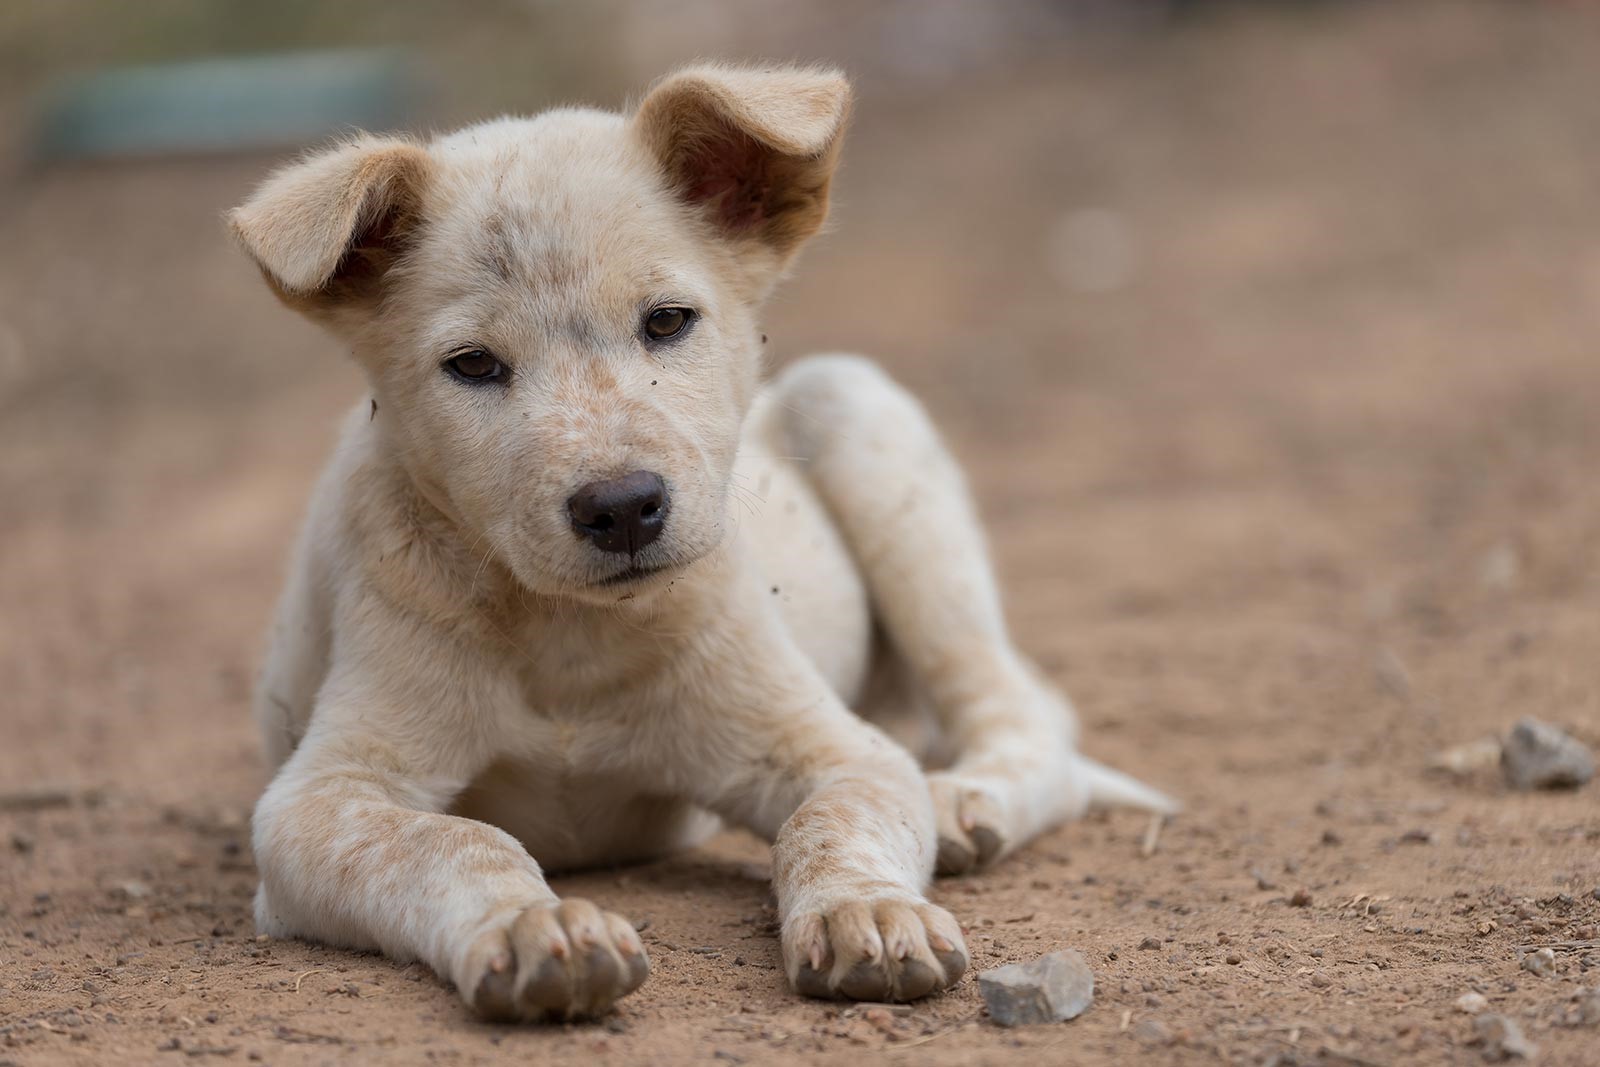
622, 514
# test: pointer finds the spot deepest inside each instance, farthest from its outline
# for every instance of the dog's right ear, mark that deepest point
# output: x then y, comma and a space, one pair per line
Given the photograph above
324, 230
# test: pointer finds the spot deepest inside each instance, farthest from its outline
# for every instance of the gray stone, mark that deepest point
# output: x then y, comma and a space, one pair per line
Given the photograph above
1537, 755
1050, 989
1502, 1038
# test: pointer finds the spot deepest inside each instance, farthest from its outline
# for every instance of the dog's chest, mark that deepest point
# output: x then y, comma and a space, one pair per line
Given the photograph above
574, 786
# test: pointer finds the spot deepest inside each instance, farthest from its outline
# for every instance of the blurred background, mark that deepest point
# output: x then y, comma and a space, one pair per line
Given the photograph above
1267, 330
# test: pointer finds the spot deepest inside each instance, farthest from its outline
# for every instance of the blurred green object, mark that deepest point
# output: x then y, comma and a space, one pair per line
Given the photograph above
224, 105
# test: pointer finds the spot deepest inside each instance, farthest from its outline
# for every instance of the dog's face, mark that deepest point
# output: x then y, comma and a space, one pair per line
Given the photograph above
558, 315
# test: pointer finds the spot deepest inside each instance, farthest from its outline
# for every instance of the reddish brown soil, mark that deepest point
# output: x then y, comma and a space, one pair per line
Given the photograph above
1308, 496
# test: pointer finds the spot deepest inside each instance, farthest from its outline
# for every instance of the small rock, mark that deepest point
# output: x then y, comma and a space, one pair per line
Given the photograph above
1463, 760
882, 1019
1500, 567
1150, 944
1541, 963
21, 842
1052, 988
1153, 1032
1502, 1038
1540, 756
1472, 1003
1320, 980
1584, 1009
1301, 898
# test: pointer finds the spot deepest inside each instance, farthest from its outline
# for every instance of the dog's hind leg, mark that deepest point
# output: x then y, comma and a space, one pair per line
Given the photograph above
900, 498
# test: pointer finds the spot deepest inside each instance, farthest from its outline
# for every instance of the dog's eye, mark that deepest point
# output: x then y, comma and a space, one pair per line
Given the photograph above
475, 366
668, 322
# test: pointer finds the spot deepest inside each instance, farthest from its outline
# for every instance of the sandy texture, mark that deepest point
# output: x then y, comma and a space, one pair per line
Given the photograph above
1271, 343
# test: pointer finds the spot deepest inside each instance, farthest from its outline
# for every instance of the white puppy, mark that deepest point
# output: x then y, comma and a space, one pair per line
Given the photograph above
576, 584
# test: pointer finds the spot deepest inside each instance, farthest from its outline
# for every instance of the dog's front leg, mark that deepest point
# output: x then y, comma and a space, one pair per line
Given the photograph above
849, 815
355, 848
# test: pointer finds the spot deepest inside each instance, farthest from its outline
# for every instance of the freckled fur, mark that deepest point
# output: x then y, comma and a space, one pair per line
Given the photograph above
453, 701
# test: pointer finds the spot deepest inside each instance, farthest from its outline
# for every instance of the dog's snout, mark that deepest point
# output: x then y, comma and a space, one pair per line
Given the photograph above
621, 514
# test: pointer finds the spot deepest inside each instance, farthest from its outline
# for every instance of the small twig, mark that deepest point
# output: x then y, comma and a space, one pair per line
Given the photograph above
302, 977
1152, 835
1565, 946
923, 1040
1328, 1051
304, 1037
39, 798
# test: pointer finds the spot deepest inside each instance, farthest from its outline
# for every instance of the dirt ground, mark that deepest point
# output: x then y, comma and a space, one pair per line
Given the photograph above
1270, 341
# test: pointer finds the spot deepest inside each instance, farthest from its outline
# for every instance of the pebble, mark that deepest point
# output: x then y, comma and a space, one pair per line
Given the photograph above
1502, 1038
1540, 756
1584, 1010
1541, 963
1463, 760
1153, 1032
1052, 988
1472, 1003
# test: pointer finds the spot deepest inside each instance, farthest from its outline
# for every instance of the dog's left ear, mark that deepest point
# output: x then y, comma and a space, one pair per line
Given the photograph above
754, 149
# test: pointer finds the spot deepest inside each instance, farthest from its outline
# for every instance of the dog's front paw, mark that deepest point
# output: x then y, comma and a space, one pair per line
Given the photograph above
896, 948
554, 961
971, 822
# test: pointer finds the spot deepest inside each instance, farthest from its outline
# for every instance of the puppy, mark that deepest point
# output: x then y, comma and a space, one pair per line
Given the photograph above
576, 586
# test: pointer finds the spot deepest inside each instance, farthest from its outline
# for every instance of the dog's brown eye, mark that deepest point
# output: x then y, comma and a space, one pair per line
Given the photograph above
475, 366
663, 323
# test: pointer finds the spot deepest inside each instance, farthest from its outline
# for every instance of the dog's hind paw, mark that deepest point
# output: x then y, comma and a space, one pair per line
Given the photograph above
555, 961
971, 824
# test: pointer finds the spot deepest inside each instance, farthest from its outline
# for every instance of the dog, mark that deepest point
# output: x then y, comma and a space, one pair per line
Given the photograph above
577, 587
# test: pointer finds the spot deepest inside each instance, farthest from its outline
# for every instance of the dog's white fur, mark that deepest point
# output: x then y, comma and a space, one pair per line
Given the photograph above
456, 700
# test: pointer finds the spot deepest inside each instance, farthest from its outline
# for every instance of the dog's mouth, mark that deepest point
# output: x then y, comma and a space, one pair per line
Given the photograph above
635, 573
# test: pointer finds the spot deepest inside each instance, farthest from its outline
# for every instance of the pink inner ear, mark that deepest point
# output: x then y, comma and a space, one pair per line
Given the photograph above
729, 174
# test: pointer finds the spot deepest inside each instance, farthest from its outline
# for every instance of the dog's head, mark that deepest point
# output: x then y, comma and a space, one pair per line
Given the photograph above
558, 314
